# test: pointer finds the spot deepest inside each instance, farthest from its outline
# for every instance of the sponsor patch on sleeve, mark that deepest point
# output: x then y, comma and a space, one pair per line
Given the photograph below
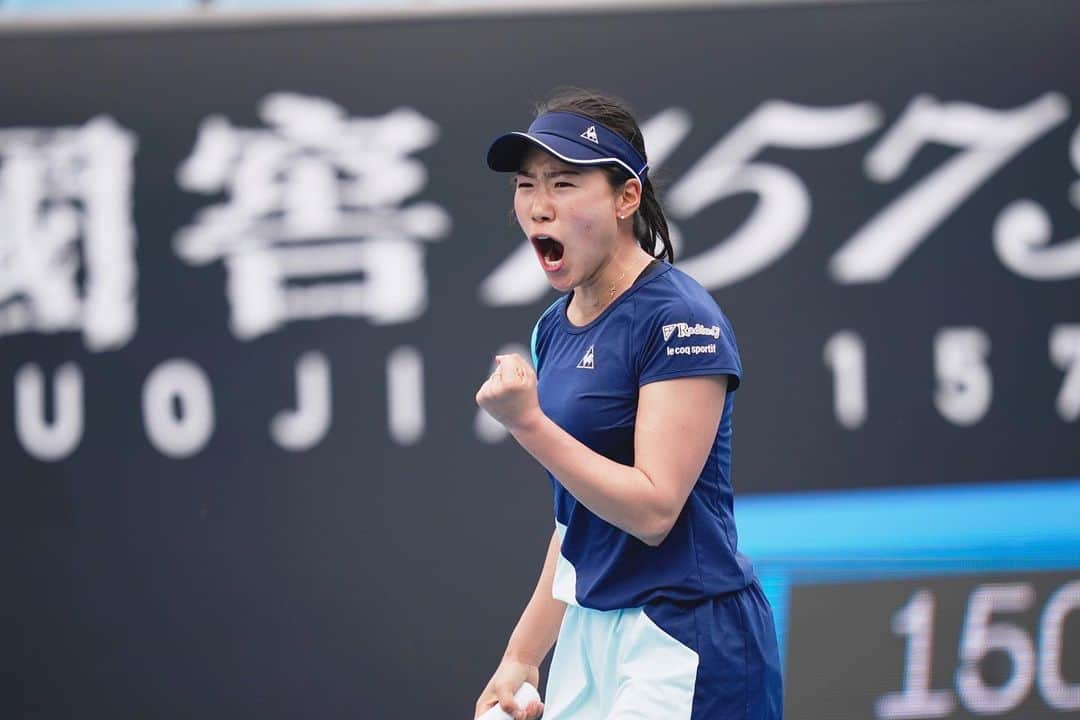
685, 330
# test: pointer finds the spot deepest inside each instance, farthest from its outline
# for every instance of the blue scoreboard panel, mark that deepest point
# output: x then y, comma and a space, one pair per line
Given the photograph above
947, 602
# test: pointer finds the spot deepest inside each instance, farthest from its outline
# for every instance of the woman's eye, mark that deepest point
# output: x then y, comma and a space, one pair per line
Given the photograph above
563, 183
522, 184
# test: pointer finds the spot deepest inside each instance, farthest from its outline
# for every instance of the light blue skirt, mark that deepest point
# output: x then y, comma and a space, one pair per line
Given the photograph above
716, 660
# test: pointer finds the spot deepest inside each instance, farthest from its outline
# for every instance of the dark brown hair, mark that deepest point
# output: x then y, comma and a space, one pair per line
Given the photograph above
650, 225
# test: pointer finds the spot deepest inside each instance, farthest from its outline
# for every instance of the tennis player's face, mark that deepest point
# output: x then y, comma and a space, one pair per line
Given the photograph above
568, 213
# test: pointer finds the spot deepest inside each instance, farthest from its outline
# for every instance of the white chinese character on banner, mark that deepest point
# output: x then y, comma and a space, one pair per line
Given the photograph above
67, 238
314, 222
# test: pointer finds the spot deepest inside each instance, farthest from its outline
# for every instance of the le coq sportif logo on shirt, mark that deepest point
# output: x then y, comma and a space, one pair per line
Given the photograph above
687, 330
587, 359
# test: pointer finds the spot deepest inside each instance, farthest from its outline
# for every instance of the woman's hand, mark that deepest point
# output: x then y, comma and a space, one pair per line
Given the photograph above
508, 677
509, 395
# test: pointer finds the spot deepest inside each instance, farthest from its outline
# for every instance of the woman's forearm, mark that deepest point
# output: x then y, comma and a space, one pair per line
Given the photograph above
538, 627
620, 494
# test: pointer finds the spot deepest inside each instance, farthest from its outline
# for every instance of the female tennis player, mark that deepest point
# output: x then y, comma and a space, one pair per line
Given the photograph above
657, 615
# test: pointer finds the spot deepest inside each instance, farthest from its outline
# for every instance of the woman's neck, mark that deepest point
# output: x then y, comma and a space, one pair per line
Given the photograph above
592, 297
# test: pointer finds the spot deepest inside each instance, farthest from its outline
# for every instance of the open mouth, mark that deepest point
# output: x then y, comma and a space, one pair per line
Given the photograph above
549, 250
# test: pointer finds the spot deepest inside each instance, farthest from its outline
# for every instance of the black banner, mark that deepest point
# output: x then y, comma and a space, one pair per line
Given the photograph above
250, 278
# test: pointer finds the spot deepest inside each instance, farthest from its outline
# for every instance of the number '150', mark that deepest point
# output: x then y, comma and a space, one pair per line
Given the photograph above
1035, 660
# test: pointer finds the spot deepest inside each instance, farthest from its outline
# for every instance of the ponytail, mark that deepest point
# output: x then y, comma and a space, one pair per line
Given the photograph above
650, 225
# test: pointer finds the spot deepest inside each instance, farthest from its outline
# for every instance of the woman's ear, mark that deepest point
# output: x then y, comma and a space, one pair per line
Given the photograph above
628, 198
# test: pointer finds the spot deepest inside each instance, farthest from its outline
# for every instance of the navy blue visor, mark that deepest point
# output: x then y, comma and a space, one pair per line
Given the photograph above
572, 138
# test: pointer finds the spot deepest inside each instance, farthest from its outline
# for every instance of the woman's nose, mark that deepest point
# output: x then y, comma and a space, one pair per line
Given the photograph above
542, 208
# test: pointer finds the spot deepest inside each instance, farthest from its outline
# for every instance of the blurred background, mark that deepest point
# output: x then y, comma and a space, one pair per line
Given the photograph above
253, 268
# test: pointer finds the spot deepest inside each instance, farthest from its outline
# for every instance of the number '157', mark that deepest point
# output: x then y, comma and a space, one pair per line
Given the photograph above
964, 382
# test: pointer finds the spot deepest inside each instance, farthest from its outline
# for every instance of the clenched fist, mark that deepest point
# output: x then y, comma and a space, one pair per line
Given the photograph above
509, 394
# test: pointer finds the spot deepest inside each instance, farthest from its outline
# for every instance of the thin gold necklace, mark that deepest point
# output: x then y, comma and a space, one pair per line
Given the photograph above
611, 292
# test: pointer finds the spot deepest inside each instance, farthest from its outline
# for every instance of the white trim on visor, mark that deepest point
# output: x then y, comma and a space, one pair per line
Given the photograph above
575, 161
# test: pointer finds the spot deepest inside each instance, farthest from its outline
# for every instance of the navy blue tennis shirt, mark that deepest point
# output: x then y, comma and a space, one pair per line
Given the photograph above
665, 326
